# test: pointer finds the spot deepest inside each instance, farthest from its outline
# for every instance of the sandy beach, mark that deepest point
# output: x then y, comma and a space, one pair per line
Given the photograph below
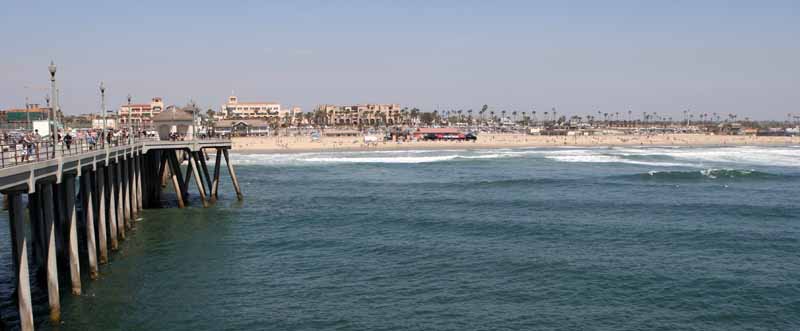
289, 144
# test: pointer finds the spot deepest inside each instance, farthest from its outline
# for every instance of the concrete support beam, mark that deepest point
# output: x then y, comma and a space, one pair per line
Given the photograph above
112, 206
102, 232
118, 186
72, 239
175, 169
51, 260
20, 250
126, 192
85, 181
201, 156
198, 181
139, 193
233, 174
215, 183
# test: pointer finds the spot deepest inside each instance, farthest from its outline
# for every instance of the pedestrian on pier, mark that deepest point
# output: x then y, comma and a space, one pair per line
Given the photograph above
68, 141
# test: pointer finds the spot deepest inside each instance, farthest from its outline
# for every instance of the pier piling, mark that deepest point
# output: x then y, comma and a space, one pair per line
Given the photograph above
102, 237
51, 259
88, 213
233, 174
198, 181
112, 207
20, 253
72, 240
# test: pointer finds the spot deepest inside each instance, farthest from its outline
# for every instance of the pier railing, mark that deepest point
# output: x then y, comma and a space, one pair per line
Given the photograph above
14, 154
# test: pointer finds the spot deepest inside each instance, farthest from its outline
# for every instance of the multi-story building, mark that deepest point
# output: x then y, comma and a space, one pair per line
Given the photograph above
250, 110
367, 114
141, 114
270, 111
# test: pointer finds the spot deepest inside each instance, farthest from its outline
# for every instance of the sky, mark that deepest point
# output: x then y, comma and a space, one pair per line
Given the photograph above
578, 56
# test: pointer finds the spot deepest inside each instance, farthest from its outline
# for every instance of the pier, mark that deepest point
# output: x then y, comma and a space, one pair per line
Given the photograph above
98, 192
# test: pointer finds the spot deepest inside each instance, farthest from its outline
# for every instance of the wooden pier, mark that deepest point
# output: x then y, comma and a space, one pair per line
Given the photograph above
110, 186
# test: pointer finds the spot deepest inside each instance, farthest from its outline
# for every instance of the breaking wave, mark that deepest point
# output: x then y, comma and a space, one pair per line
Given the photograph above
676, 157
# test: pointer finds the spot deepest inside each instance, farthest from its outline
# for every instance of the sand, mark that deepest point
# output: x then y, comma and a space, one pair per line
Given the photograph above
289, 144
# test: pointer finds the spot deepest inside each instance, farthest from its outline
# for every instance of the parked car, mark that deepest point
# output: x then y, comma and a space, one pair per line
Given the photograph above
471, 136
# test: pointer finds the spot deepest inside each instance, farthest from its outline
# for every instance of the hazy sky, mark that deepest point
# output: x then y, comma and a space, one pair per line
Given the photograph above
579, 56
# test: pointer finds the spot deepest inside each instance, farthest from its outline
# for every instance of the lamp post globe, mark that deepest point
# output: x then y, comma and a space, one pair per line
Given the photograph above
52, 68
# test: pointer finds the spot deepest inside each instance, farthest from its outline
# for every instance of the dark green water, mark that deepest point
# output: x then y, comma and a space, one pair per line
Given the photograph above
517, 239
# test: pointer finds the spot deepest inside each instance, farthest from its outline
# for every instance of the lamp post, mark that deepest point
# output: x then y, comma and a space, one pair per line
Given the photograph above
52, 68
103, 112
130, 135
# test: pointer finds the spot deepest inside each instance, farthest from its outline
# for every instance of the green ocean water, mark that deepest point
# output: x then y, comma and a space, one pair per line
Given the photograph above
502, 239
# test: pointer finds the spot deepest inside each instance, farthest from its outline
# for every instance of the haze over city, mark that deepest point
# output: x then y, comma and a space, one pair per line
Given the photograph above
579, 56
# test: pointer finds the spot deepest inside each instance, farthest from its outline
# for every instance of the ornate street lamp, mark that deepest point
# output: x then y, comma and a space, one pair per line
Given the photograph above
103, 112
130, 135
52, 69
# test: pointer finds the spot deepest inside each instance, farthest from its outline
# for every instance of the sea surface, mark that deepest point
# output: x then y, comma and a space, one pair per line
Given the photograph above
657, 238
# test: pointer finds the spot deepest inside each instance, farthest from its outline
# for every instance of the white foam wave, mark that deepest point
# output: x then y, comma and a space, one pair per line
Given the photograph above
613, 159
766, 156
648, 156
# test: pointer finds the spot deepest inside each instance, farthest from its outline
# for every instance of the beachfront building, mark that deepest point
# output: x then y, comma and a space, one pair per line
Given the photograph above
253, 127
271, 112
175, 120
141, 114
366, 114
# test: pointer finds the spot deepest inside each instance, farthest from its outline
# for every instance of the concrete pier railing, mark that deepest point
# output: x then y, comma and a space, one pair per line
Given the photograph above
99, 190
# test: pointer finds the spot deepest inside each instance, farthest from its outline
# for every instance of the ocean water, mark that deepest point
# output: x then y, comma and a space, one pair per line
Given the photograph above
655, 238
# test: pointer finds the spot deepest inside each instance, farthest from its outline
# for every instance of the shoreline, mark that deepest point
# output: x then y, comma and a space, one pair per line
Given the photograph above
303, 144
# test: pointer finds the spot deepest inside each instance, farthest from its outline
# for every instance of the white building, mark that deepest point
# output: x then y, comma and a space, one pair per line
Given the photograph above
250, 110
269, 111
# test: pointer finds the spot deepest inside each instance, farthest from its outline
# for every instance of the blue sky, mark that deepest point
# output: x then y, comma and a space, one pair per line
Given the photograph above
578, 56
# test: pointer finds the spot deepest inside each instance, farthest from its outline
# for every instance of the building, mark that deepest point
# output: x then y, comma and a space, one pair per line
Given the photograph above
175, 120
22, 118
367, 114
264, 110
141, 114
253, 127
234, 109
